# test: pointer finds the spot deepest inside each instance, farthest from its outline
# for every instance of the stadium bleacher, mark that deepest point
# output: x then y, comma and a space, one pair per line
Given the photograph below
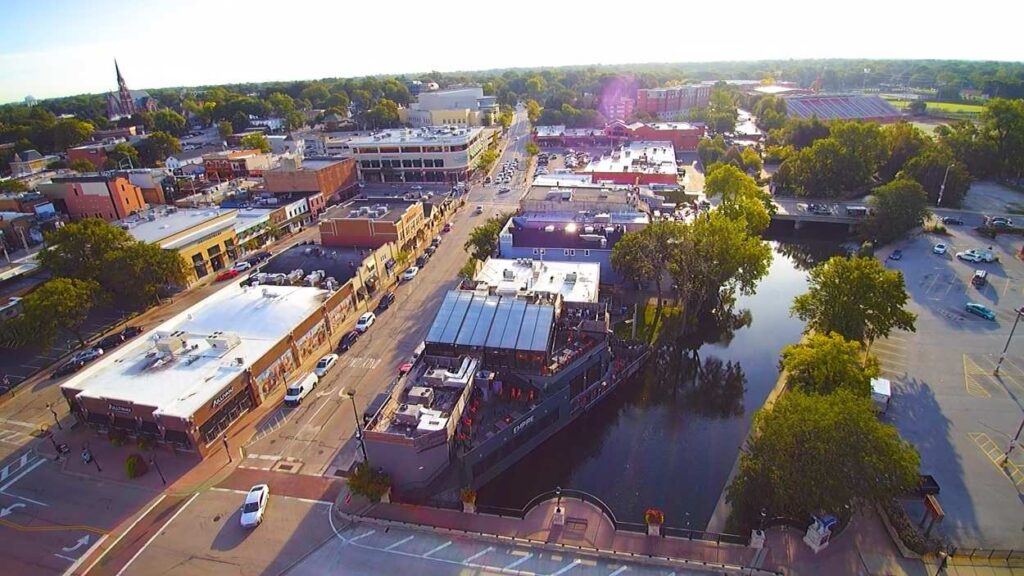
842, 108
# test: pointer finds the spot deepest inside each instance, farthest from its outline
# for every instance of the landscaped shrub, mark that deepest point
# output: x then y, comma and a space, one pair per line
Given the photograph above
907, 531
116, 437
135, 465
366, 481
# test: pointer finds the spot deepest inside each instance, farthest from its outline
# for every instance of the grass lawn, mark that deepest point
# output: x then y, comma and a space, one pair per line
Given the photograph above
648, 325
948, 107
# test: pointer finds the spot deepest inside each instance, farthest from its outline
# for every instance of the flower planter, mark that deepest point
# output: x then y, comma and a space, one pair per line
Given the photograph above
654, 529
385, 498
469, 507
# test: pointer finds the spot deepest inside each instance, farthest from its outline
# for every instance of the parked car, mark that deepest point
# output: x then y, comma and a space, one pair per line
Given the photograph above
365, 321
255, 505
131, 332
504, 190
896, 255
980, 310
386, 301
952, 221
410, 273
227, 275
404, 368
325, 364
447, 227
999, 222
69, 367
939, 248
88, 355
430, 250
979, 279
261, 256
111, 342
241, 266
977, 255
294, 394
436, 241
421, 261
348, 340
479, 209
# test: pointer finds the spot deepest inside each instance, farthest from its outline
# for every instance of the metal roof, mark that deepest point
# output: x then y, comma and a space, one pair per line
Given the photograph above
478, 320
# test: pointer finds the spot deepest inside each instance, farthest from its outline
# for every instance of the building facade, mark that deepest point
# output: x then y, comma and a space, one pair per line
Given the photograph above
458, 107
372, 224
434, 154
29, 162
684, 136
672, 103
236, 164
205, 239
325, 181
94, 196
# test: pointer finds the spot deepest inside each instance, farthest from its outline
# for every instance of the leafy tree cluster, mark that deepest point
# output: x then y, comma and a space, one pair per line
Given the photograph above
770, 112
713, 151
128, 272
255, 141
483, 239
720, 114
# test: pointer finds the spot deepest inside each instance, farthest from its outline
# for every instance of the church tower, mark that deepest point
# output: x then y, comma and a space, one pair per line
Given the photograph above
124, 95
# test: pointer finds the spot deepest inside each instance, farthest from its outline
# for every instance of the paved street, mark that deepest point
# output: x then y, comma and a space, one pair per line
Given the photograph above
316, 437
947, 401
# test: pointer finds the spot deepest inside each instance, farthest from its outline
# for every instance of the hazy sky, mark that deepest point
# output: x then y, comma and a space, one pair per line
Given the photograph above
55, 48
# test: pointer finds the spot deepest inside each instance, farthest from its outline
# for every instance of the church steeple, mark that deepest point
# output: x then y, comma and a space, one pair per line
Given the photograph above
124, 95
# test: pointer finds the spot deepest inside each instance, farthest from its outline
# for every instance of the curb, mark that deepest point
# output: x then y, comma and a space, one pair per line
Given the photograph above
666, 561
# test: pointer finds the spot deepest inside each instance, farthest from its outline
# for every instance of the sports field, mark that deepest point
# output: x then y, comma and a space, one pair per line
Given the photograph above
948, 107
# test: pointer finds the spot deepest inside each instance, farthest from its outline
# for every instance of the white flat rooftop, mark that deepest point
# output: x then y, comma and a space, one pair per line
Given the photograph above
637, 158
178, 385
575, 281
422, 136
168, 224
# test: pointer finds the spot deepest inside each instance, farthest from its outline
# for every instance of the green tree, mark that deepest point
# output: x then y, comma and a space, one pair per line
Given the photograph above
1004, 120
158, 147
69, 132
742, 198
295, 120
824, 363
643, 255
282, 104
339, 100
857, 298
13, 186
533, 111
505, 118
904, 141
82, 165
752, 163
59, 304
929, 169
972, 146
239, 122
917, 108
384, 114
812, 454
225, 129
483, 239
255, 141
532, 149
487, 159
124, 151
898, 207
169, 121
139, 270
368, 482
316, 93
710, 151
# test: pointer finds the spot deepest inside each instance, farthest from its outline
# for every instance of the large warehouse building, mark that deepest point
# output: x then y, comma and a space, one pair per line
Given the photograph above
197, 373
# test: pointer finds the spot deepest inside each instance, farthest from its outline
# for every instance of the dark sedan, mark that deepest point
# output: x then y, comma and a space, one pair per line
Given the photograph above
68, 368
348, 340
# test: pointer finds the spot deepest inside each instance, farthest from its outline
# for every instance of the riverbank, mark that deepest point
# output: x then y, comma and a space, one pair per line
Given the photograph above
722, 508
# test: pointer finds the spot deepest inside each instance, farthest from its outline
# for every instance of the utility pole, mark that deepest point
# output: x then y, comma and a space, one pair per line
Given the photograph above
1002, 356
351, 393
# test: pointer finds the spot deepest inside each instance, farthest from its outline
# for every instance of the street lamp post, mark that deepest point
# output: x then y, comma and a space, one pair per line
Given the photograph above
227, 447
351, 393
55, 419
1013, 443
1002, 356
156, 465
942, 188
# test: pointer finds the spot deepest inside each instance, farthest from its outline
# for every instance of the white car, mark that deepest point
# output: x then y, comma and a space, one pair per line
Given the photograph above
939, 248
367, 320
255, 505
242, 266
975, 255
325, 364
408, 275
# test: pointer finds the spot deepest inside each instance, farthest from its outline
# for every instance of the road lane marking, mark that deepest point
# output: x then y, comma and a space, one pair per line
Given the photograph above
515, 563
361, 536
973, 387
400, 542
619, 571
22, 474
477, 555
118, 539
565, 569
71, 569
64, 557
158, 533
439, 548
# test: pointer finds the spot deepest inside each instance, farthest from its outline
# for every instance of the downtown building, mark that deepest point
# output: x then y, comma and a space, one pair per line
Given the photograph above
672, 103
433, 154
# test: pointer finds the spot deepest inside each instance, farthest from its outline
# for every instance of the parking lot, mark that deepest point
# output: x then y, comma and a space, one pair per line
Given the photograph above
947, 399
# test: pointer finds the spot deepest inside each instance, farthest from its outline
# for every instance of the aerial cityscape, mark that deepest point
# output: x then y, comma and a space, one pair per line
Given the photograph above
735, 295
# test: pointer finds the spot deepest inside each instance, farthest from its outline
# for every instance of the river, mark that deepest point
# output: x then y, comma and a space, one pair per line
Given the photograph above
652, 445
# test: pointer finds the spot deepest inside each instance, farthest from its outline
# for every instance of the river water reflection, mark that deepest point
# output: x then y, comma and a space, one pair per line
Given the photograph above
653, 444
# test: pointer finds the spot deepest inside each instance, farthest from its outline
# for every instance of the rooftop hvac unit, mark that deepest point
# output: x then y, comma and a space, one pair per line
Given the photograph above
549, 228
431, 423
364, 210
570, 278
408, 414
172, 343
421, 396
223, 340
508, 274
353, 214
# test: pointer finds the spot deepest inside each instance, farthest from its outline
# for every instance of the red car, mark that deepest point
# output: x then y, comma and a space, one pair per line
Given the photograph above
404, 368
227, 274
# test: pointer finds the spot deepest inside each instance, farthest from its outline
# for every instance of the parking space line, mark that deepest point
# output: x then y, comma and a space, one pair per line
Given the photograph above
439, 548
478, 554
399, 543
970, 384
361, 536
515, 563
991, 449
566, 568
620, 570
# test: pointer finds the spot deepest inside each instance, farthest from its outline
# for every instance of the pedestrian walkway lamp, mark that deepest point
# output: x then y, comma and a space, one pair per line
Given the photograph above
1013, 443
152, 460
54, 412
1002, 356
351, 394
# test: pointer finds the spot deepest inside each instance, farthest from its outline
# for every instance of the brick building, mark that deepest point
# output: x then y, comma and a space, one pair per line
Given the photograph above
323, 181
671, 103
372, 224
236, 164
94, 196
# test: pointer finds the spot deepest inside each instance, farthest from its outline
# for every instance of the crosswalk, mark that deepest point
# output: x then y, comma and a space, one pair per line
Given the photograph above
17, 465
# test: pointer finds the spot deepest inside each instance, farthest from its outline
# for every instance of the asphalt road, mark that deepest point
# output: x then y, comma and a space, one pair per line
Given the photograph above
316, 438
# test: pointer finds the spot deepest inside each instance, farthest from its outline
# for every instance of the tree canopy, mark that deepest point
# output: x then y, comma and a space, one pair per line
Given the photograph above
897, 207
857, 298
742, 198
824, 363
255, 141
58, 304
814, 454
157, 148
483, 239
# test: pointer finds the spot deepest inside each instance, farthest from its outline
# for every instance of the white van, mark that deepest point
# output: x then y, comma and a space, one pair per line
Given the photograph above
296, 392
